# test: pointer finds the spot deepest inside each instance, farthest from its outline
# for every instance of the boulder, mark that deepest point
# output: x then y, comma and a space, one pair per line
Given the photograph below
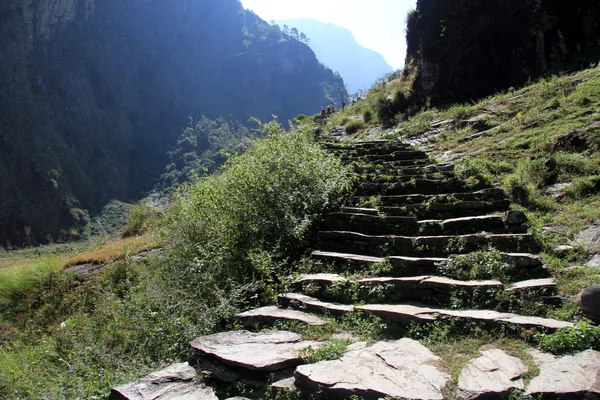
594, 261
493, 375
515, 217
590, 237
264, 351
589, 303
573, 141
403, 369
174, 383
568, 377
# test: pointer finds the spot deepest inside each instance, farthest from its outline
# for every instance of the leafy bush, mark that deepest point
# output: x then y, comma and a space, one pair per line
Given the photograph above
519, 189
264, 200
479, 265
355, 126
141, 218
389, 107
368, 116
580, 337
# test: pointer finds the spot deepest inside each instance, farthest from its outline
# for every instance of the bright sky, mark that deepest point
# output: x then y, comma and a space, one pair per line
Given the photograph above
376, 24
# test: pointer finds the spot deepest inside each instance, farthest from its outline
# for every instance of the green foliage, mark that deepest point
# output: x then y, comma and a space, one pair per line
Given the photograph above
391, 106
331, 351
112, 218
141, 218
367, 116
581, 337
478, 265
355, 126
263, 200
204, 146
474, 172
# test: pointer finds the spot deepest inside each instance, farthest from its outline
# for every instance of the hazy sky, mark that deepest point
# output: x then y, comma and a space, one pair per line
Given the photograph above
376, 24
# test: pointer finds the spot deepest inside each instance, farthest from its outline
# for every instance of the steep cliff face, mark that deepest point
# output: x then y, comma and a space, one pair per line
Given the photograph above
464, 49
92, 94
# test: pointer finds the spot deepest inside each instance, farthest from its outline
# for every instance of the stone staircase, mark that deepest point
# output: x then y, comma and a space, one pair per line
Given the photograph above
424, 217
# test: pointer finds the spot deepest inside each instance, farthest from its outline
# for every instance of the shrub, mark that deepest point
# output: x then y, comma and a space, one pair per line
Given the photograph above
264, 200
580, 337
355, 126
519, 190
479, 265
368, 116
389, 107
141, 218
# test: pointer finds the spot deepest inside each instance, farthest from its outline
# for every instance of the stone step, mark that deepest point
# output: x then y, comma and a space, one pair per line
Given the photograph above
529, 264
428, 289
307, 303
361, 210
372, 150
360, 145
399, 155
394, 178
416, 186
436, 246
273, 314
359, 165
394, 169
178, 381
545, 286
371, 224
491, 194
466, 225
228, 353
435, 210
420, 313
404, 369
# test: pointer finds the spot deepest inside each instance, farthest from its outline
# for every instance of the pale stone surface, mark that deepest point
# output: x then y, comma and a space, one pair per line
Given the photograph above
402, 313
594, 261
494, 373
320, 278
310, 303
590, 237
172, 383
572, 377
589, 302
514, 217
264, 351
344, 257
403, 369
288, 384
447, 283
273, 313
533, 284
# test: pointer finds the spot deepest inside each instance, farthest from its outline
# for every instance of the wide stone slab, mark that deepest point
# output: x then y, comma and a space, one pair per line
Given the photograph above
416, 312
345, 257
403, 369
172, 383
264, 351
590, 237
533, 284
568, 377
320, 279
493, 375
304, 302
273, 313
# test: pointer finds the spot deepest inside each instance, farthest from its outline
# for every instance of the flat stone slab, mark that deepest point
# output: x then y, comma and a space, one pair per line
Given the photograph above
594, 261
590, 237
345, 257
264, 351
493, 375
402, 369
320, 278
416, 312
533, 284
310, 303
568, 377
274, 313
441, 282
174, 383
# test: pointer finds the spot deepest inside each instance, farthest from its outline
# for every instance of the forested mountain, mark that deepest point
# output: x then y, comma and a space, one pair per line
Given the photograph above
336, 47
94, 93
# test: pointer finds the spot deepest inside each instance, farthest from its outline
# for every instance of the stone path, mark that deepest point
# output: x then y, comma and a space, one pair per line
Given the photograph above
425, 216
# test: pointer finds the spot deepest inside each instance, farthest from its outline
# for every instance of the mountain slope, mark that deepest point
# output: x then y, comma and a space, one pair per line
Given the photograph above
336, 47
92, 94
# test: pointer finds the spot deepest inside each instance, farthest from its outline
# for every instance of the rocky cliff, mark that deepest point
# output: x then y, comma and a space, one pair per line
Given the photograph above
464, 49
92, 94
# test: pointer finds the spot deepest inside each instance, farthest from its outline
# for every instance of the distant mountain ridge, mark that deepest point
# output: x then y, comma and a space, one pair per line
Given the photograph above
337, 48
93, 94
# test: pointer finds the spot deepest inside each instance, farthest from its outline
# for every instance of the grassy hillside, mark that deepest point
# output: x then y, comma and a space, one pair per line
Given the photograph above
238, 235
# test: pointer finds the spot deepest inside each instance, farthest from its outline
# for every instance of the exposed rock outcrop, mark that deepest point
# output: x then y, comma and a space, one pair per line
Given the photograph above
460, 50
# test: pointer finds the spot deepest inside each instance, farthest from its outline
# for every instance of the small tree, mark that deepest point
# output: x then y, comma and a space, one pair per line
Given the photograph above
286, 30
294, 33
